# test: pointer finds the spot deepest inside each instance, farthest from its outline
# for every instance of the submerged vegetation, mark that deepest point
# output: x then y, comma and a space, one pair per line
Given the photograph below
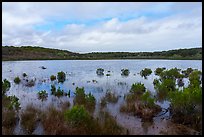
82, 118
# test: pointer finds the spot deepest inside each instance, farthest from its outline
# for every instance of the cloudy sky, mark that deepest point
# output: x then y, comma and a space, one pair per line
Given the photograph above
103, 26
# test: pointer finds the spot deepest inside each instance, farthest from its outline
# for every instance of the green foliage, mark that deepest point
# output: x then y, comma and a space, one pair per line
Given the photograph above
184, 101
166, 85
158, 71
17, 80
14, 103
90, 102
53, 89
125, 72
52, 77
24, 74
145, 72
156, 82
80, 96
146, 98
171, 74
194, 78
42, 95
59, 92
5, 86
138, 88
61, 76
77, 116
187, 72
100, 71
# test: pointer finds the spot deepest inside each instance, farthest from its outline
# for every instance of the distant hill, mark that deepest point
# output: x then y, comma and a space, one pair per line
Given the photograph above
40, 53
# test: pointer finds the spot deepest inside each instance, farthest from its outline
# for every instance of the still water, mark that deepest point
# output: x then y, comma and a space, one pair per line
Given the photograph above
82, 73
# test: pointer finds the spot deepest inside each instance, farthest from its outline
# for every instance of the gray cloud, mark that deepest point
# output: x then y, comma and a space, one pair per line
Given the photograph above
180, 29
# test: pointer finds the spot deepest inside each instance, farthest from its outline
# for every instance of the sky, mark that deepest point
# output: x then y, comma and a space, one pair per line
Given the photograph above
103, 26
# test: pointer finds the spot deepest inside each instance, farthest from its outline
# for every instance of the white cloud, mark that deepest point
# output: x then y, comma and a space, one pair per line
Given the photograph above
143, 32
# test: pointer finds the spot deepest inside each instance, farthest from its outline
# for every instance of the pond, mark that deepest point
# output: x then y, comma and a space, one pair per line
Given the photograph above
82, 73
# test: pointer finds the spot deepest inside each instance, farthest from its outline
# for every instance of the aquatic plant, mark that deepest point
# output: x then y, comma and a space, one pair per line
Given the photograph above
79, 96
90, 102
5, 86
186, 106
24, 74
30, 83
87, 100
158, 71
125, 72
77, 116
171, 74
195, 79
147, 99
52, 77
53, 89
61, 76
145, 72
137, 88
17, 80
100, 71
59, 92
107, 74
166, 85
42, 95
187, 72
13, 103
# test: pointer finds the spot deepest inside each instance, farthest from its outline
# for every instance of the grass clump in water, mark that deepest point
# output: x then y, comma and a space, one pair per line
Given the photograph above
61, 76
52, 77
17, 80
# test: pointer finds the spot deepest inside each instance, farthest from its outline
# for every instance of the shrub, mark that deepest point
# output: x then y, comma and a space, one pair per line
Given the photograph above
125, 72
59, 92
14, 104
42, 95
80, 96
90, 102
100, 71
171, 74
148, 101
17, 80
187, 72
145, 72
158, 71
52, 77
24, 74
166, 85
61, 76
194, 79
138, 88
5, 86
77, 116
53, 89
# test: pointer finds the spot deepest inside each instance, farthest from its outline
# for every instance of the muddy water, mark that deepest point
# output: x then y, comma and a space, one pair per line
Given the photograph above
82, 73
